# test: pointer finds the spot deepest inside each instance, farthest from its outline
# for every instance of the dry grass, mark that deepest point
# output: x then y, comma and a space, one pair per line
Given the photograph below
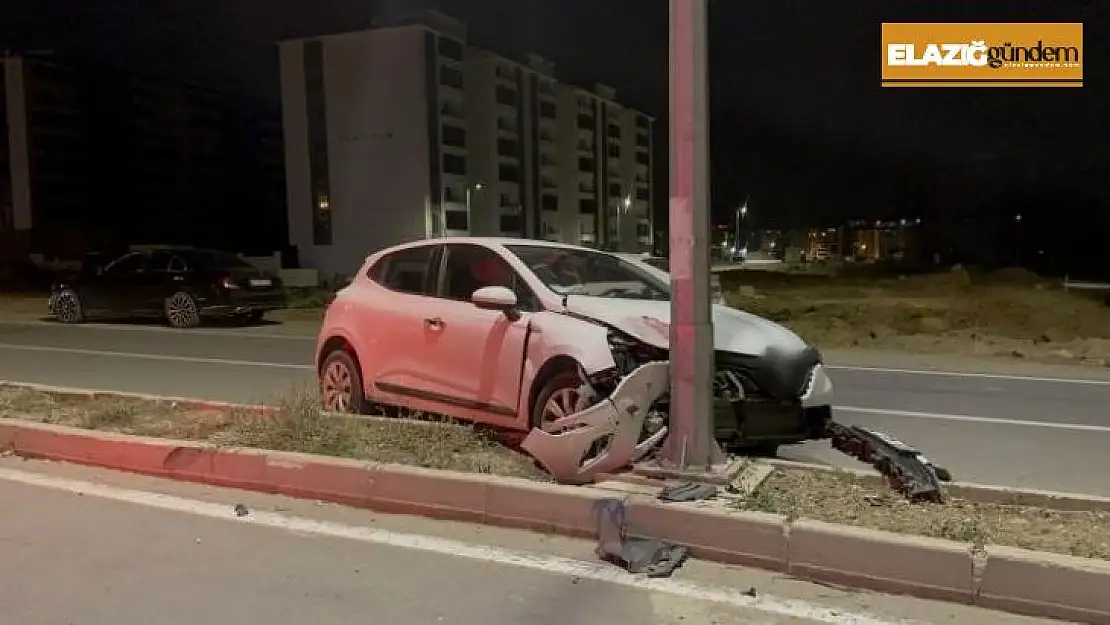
1009, 313
296, 426
838, 497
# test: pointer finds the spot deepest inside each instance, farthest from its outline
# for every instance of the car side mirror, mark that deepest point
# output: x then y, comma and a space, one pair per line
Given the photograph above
494, 298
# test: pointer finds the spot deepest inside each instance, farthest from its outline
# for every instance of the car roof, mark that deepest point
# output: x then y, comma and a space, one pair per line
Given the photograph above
492, 242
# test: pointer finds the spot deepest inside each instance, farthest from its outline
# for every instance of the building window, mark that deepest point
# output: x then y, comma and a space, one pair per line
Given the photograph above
454, 164
615, 189
614, 130
547, 110
642, 141
549, 202
450, 77
643, 230
587, 207
614, 150
506, 125
451, 49
457, 220
508, 173
505, 95
585, 121
641, 121
510, 224
642, 194
507, 147
642, 158
454, 136
586, 164
319, 179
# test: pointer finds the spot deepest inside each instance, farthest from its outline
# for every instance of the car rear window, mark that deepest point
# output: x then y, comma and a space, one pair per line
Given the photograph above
211, 259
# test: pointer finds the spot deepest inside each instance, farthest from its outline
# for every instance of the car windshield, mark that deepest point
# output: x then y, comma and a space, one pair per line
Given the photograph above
212, 259
570, 271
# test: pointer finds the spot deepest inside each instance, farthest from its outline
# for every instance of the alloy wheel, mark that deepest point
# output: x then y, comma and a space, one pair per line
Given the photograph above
562, 403
337, 387
182, 311
67, 308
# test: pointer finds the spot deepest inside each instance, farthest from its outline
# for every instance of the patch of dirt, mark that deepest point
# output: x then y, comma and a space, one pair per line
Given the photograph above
23, 304
840, 497
1010, 314
297, 425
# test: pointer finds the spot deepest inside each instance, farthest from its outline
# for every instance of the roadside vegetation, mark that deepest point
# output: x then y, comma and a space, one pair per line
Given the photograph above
298, 426
1009, 313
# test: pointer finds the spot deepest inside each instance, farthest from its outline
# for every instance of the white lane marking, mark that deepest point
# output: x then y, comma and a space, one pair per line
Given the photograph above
1076, 427
160, 357
443, 546
246, 333
958, 374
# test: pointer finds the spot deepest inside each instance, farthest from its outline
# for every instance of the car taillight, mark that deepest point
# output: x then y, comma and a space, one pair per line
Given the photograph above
228, 283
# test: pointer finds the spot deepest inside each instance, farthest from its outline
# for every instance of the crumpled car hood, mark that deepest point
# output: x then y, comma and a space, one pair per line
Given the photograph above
649, 321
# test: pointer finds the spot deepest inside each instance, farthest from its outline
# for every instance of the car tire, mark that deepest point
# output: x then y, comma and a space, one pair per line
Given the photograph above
67, 307
559, 383
182, 310
341, 384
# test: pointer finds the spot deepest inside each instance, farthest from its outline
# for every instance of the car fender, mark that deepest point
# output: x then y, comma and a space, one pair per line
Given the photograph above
554, 334
335, 326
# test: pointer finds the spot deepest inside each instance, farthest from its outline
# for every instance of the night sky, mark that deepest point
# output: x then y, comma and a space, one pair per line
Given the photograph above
798, 120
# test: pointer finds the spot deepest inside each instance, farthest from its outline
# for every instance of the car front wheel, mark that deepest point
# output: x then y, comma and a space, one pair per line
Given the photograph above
341, 384
559, 397
67, 307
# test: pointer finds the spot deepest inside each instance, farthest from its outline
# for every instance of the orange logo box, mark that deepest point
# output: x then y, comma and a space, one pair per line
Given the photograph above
982, 55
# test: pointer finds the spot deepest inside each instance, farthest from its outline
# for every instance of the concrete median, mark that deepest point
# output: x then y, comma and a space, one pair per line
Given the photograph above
1033, 583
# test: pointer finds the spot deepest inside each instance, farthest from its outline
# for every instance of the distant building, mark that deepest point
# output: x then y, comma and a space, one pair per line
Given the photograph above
44, 144
404, 132
94, 159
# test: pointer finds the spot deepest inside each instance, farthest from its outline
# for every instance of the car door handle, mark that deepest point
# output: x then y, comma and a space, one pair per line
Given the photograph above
434, 323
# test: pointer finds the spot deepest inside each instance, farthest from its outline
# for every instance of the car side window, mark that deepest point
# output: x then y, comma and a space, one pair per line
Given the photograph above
131, 263
159, 261
471, 267
407, 271
177, 265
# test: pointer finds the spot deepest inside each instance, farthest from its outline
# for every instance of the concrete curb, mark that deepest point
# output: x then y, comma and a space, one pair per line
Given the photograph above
1015, 580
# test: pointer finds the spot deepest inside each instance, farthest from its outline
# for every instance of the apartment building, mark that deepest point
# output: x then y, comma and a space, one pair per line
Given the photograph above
404, 131
43, 145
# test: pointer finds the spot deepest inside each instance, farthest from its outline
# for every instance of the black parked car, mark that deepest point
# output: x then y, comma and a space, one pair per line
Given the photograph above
183, 285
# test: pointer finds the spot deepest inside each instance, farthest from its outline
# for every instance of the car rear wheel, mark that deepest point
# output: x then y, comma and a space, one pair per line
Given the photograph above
559, 398
341, 384
182, 310
67, 307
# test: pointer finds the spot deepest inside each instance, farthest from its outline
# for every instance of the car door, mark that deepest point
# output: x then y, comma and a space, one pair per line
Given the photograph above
389, 325
473, 357
117, 290
164, 275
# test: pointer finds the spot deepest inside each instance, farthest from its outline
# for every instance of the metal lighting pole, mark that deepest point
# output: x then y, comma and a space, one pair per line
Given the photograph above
477, 187
690, 442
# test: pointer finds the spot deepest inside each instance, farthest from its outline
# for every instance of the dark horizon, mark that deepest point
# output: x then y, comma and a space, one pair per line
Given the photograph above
798, 120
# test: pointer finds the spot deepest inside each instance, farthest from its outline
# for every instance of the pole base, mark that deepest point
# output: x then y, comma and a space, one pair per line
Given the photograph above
721, 473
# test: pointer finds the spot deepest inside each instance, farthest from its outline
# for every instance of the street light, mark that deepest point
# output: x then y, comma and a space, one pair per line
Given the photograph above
622, 207
477, 186
741, 212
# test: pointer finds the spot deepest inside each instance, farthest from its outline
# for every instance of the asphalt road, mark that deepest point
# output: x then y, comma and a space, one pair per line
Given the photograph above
1012, 428
91, 547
